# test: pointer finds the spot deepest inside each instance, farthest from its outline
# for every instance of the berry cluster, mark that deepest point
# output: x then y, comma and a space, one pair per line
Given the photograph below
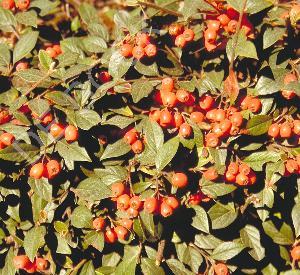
240, 173
12, 4
58, 130
292, 166
23, 262
138, 47
132, 137
284, 130
180, 35
288, 79
49, 170
54, 51
219, 27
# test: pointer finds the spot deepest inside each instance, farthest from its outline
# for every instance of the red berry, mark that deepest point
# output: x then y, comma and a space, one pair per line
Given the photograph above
179, 180
22, 4
117, 189
233, 168
127, 223
99, 223
166, 210
135, 202
142, 39
57, 130
232, 25
178, 120
289, 78
169, 99
8, 4
121, 232
172, 202
182, 95
188, 35
126, 50
210, 174
244, 169
180, 41
295, 253
254, 105
242, 179
175, 29
104, 77
132, 213
155, 115
230, 177
71, 133
212, 140
291, 166
21, 261
53, 168
137, 147
167, 84
296, 127
57, 49
41, 264
285, 130
210, 35
151, 50
236, 119
213, 25
138, 52
51, 52
123, 202
197, 117
224, 19
166, 118
185, 130
221, 269
20, 66
7, 139
151, 205
131, 136
110, 236
206, 102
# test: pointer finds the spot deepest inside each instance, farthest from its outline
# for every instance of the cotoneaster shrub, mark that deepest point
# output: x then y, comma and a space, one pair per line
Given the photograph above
149, 137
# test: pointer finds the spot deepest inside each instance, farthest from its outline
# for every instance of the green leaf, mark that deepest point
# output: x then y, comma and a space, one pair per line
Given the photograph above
259, 125
118, 65
94, 44
39, 106
27, 18
4, 55
86, 119
222, 215
191, 7
20, 132
95, 239
269, 270
257, 159
9, 267
88, 269
267, 86
116, 149
296, 218
227, 250
207, 241
67, 59
45, 6
129, 262
33, 240
215, 190
7, 19
45, 59
62, 99
154, 135
177, 267
25, 45
250, 237
149, 70
166, 153
149, 267
284, 236
19, 152
200, 220
193, 258
42, 188
88, 13
272, 35
147, 221
244, 47
140, 89
253, 6
92, 189
120, 121
81, 217
62, 245
98, 30
111, 259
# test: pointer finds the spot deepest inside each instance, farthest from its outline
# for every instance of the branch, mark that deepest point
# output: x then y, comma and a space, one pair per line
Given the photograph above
160, 252
235, 38
154, 6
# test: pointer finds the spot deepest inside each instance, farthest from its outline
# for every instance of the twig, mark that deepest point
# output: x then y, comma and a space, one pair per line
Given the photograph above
160, 252
78, 266
235, 38
165, 10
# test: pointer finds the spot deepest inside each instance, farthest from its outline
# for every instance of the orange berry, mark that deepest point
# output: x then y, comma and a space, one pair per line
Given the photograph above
37, 170
167, 84
212, 140
41, 264
169, 99
99, 223
178, 120
285, 130
230, 177
245, 102
236, 119
217, 130
132, 213
31, 268
142, 39
175, 29
166, 210
225, 126
57, 49
8, 4
71, 133
224, 19
131, 136
110, 236
197, 117
296, 127
137, 147
206, 102
172, 202
244, 169
195, 199
182, 95
295, 253
166, 118
233, 168
180, 41
252, 177
213, 25
210, 35
210, 46
51, 52
121, 232
188, 35
274, 130
21, 261
210, 174
151, 50
185, 130
289, 78
117, 189
126, 50
53, 168
138, 52
123, 202
7, 139
154, 115
254, 105
232, 25
57, 130
221, 269
21, 65
5, 117
135, 202
22, 4
179, 180
47, 119
211, 115
127, 223
291, 166
242, 179
151, 205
